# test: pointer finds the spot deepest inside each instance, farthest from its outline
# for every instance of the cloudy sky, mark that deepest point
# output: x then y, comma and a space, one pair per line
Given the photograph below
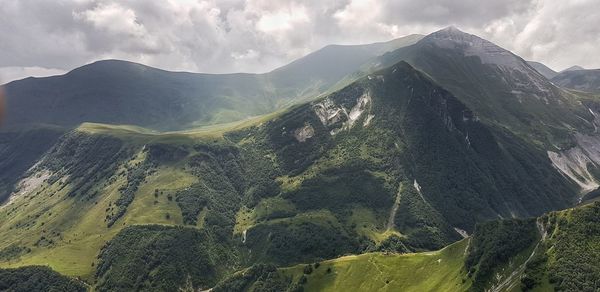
41, 37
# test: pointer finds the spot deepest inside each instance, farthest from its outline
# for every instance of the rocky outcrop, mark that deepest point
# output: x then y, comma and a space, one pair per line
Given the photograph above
337, 118
304, 133
576, 163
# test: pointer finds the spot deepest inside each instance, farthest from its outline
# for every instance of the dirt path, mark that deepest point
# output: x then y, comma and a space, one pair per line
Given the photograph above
390, 222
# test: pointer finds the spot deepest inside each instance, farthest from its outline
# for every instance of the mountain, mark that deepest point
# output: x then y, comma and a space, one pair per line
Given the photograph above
573, 68
543, 69
430, 157
332, 63
501, 87
392, 162
507, 93
120, 92
581, 80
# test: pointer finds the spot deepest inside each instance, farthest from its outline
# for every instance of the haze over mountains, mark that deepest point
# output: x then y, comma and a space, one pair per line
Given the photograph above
575, 77
581, 80
121, 92
389, 150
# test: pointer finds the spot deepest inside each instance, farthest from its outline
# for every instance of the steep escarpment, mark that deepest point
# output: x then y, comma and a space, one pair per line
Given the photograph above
499, 86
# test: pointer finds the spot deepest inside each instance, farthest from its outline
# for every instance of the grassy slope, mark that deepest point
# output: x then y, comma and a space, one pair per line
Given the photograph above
82, 231
429, 271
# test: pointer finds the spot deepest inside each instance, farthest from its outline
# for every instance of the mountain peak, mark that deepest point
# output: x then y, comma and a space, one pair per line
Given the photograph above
452, 33
472, 45
451, 28
573, 68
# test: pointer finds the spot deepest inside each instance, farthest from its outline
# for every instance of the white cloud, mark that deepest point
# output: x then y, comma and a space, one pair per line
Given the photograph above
249, 54
258, 35
111, 22
282, 21
562, 34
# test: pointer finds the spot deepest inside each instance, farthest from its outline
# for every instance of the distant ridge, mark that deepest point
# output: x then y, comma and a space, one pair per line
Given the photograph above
543, 69
123, 92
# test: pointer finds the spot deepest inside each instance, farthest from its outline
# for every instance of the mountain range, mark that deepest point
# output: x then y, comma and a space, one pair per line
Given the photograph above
574, 77
580, 80
348, 169
120, 92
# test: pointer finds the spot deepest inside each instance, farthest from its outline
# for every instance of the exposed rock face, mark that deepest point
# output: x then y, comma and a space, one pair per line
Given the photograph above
304, 133
576, 162
338, 118
29, 184
361, 106
417, 186
368, 120
328, 112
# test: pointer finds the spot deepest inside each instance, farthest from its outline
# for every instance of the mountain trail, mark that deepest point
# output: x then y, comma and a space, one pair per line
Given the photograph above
390, 222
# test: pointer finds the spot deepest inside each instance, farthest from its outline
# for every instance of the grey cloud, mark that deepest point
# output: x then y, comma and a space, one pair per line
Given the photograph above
258, 35
466, 12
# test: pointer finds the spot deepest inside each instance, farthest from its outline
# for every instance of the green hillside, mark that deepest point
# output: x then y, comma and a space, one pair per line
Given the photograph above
37, 279
391, 163
556, 252
431, 271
